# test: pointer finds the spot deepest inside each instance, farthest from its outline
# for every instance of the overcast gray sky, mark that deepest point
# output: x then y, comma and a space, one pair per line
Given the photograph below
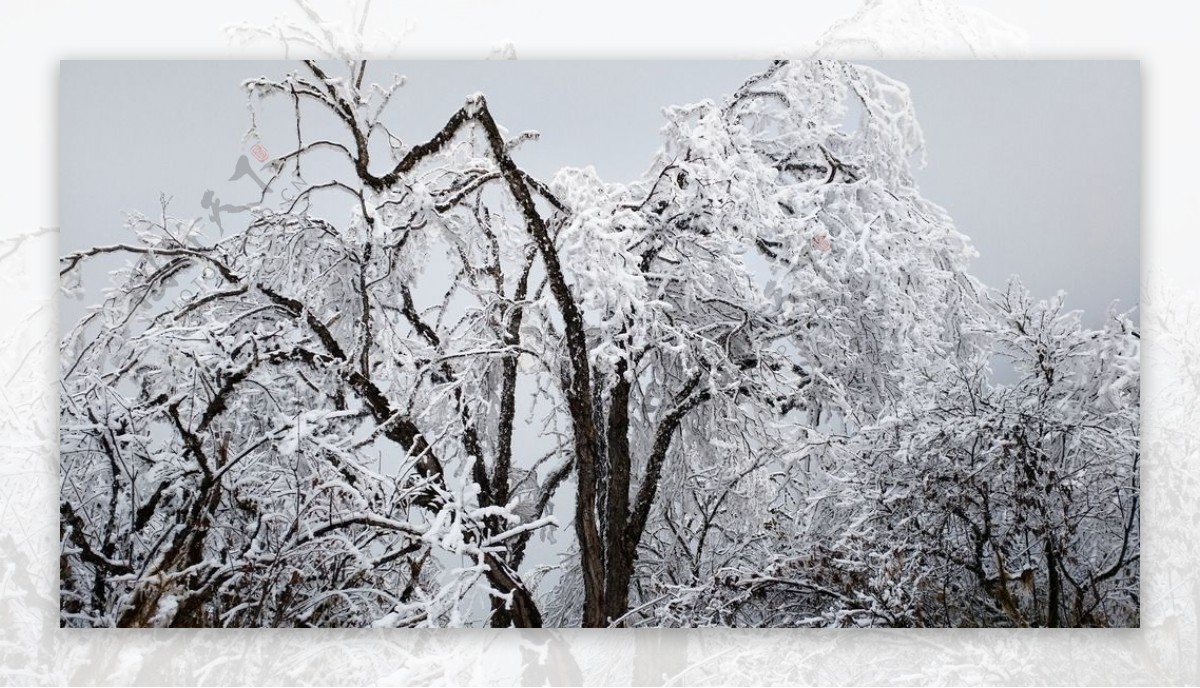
1038, 162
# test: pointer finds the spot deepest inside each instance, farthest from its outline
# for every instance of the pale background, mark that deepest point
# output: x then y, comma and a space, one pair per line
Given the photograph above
33, 37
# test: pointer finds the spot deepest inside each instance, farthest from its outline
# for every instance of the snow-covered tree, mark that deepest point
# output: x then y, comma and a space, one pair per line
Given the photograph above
977, 504
738, 371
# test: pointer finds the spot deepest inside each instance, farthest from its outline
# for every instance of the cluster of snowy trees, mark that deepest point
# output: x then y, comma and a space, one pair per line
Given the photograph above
751, 388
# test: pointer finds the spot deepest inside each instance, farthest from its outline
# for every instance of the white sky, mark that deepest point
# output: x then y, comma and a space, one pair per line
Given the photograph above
1037, 161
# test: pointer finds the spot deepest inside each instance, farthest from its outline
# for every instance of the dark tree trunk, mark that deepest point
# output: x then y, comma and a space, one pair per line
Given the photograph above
1053, 588
523, 611
619, 552
578, 388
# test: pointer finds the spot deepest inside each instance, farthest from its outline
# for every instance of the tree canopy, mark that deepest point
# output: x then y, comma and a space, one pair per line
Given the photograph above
751, 388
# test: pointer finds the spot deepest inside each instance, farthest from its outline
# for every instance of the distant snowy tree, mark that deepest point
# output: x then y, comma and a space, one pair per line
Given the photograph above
739, 371
978, 504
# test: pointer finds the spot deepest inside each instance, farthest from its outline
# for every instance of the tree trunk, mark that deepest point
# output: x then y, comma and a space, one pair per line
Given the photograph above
619, 553
578, 388
1054, 588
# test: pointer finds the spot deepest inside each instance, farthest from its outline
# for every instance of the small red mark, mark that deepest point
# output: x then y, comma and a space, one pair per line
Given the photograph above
259, 152
822, 242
